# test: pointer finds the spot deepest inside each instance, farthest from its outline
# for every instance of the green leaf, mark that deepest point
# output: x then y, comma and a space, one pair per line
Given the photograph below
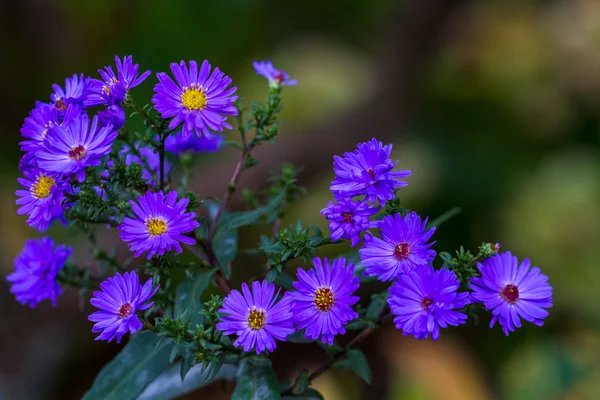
188, 295
359, 364
301, 383
377, 306
298, 337
285, 281
187, 362
169, 386
244, 218
133, 369
444, 217
310, 394
256, 380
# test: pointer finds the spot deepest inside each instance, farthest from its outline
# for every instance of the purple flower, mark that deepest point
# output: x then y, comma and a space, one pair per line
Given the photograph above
323, 301
36, 268
367, 171
113, 115
120, 298
275, 76
347, 219
42, 198
112, 89
28, 163
72, 148
256, 317
151, 164
512, 291
179, 144
424, 300
197, 100
402, 247
159, 224
75, 92
43, 117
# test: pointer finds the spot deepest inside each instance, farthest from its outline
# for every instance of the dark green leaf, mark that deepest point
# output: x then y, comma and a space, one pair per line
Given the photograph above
133, 369
377, 305
359, 364
444, 217
272, 274
244, 218
342, 364
301, 383
256, 380
298, 337
285, 281
187, 362
188, 295
169, 385
357, 324
309, 394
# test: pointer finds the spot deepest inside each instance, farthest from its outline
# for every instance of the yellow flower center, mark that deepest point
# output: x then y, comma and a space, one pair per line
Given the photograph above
111, 83
193, 98
324, 299
156, 226
42, 186
257, 319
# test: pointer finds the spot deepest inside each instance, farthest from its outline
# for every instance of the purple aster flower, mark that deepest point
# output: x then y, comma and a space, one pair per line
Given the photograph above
120, 298
113, 115
28, 162
347, 219
367, 171
256, 317
43, 117
402, 247
159, 224
72, 148
42, 198
275, 76
197, 100
512, 291
424, 300
151, 166
179, 144
323, 301
112, 89
36, 268
75, 92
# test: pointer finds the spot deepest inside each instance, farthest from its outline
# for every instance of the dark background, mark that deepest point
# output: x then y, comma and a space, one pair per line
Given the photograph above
492, 104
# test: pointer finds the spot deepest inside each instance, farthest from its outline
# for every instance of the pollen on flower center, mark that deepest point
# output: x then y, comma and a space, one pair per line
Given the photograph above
426, 302
156, 226
60, 105
257, 319
193, 98
42, 186
402, 251
347, 217
125, 311
510, 293
77, 153
324, 299
279, 77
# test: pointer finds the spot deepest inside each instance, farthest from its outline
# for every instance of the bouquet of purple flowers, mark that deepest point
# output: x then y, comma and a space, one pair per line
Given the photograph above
84, 167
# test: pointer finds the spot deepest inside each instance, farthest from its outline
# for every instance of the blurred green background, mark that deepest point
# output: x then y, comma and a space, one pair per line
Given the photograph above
494, 105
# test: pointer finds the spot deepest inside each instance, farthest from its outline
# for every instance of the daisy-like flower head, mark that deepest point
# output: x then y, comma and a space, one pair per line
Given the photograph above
113, 88
78, 145
36, 268
348, 218
28, 163
42, 198
512, 291
275, 76
120, 298
198, 101
151, 165
323, 300
76, 91
403, 246
424, 300
43, 117
367, 171
178, 144
112, 115
159, 224
256, 317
